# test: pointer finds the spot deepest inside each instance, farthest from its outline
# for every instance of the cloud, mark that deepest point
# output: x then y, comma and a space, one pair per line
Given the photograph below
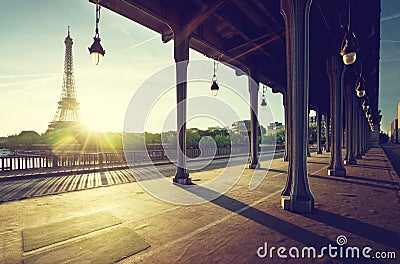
27, 85
26, 75
141, 43
390, 60
389, 17
390, 41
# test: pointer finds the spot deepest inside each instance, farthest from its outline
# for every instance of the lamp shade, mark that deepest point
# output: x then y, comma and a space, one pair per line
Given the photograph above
349, 48
263, 104
349, 58
214, 88
96, 51
360, 87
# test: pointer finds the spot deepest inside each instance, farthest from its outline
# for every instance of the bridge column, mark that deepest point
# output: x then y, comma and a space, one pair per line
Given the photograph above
296, 16
318, 124
181, 56
350, 159
357, 131
327, 132
286, 110
336, 75
361, 131
367, 132
253, 90
308, 134
364, 135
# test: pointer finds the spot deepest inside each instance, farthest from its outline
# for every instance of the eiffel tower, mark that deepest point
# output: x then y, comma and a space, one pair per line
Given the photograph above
67, 114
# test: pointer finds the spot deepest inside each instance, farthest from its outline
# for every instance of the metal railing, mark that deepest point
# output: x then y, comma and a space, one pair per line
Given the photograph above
26, 162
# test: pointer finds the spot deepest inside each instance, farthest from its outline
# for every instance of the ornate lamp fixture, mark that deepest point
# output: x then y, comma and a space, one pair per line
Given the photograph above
349, 47
360, 85
214, 85
263, 101
364, 104
96, 50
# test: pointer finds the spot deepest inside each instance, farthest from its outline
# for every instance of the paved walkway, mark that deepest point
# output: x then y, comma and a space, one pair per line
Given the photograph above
363, 207
392, 151
53, 181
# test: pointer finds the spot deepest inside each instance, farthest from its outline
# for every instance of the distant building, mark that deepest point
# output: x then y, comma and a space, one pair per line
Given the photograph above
398, 114
274, 126
394, 131
243, 127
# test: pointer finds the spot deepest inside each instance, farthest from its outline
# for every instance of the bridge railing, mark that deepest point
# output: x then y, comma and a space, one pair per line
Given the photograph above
25, 162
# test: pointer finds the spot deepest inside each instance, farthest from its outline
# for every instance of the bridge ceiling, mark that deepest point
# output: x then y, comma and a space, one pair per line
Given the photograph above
251, 35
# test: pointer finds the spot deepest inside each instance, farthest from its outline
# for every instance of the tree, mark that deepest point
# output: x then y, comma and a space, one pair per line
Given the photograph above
223, 141
383, 138
312, 133
192, 138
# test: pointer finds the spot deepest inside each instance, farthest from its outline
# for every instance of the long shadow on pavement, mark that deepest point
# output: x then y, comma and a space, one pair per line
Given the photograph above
370, 166
302, 235
295, 232
316, 162
378, 234
370, 180
330, 178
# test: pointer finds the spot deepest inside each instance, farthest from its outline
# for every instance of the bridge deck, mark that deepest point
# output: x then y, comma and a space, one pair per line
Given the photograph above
363, 207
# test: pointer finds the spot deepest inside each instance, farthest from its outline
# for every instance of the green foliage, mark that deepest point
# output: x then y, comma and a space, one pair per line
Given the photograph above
223, 141
312, 133
25, 140
90, 141
276, 136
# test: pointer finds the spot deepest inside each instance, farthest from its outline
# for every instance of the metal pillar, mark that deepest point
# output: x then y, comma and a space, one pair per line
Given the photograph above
350, 97
253, 90
181, 55
296, 16
285, 195
366, 131
327, 132
336, 75
286, 109
318, 124
360, 132
308, 134
357, 131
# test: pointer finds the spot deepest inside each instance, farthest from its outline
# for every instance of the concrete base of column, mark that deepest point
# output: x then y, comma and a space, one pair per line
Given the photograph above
285, 157
182, 177
285, 202
319, 152
302, 206
358, 156
337, 172
328, 150
253, 166
297, 206
350, 162
184, 181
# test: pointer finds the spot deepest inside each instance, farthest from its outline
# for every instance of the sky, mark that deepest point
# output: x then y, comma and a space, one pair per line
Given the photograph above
389, 90
32, 61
